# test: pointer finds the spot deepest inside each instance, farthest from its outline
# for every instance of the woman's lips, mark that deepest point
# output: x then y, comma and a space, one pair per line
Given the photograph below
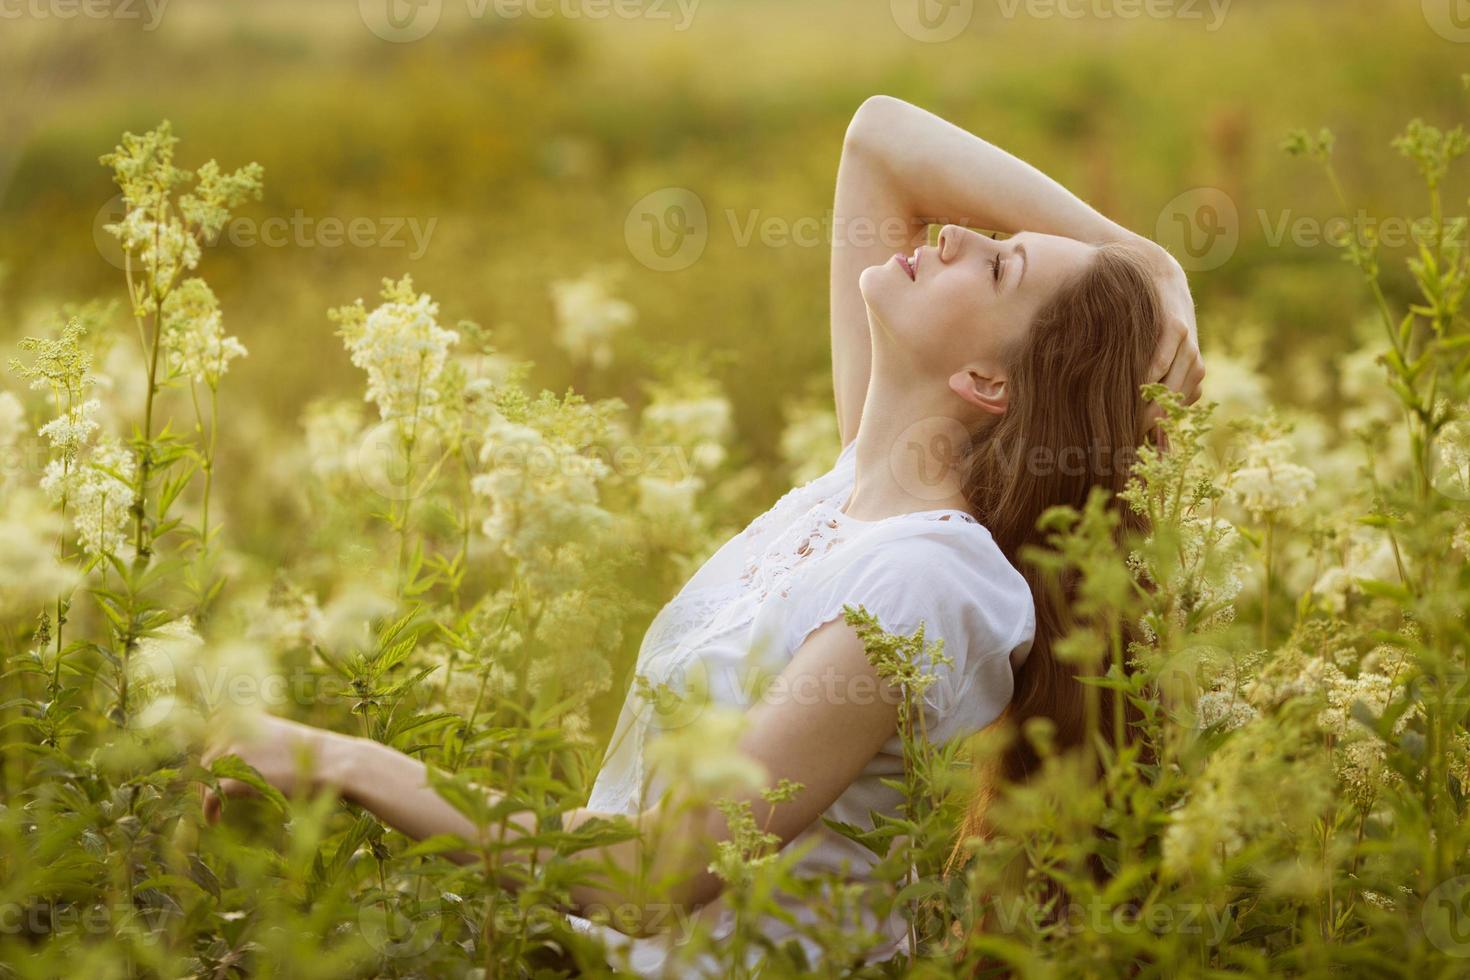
910, 264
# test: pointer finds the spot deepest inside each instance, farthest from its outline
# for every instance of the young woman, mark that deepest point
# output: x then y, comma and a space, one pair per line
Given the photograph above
978, 381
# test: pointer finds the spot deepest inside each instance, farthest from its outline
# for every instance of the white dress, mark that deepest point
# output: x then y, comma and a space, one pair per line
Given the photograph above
753, 603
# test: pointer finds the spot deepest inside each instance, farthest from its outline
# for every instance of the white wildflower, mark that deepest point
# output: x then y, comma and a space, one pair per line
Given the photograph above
70, 432
1236, 386
401, 347
1452, 472
332, 429
288, 619
588, 316
346, 624
194, 335
693, 418
1461, 539
99, 496
1269, 484
669, 501
542, 490
164, 247
1367, 555
1362, 766
1224, 708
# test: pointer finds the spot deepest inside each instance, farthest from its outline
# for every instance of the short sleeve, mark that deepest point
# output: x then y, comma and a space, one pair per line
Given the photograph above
949, 577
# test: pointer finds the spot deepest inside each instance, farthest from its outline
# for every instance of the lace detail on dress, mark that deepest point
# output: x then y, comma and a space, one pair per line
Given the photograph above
770, 570
816, 533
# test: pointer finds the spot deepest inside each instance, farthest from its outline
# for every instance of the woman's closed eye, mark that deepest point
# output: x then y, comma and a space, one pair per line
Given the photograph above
995, 269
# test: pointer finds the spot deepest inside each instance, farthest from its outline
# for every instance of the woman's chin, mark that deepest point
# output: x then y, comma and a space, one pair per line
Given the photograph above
880, 284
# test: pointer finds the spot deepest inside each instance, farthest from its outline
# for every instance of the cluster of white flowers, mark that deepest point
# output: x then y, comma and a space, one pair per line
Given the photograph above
403, 349
287, 619
1270, 484
588, 316
92, 479
1206, 574
543, 490
1236, 386
669, 502
1359, 756
164, 246
163, 232
1461, 539
1211, 556
194, 334
1366, 555
1452, 474
99, 495
686, 427
1228, 709
699, 423
71, 431
333, 431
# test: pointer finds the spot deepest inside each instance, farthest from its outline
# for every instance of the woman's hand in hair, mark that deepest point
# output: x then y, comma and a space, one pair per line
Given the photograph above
1177, 361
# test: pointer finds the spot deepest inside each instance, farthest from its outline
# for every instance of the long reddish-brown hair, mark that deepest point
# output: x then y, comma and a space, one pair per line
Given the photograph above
1073, 423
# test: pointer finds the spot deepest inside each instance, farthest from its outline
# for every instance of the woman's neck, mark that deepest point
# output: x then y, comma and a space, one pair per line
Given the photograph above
908, 455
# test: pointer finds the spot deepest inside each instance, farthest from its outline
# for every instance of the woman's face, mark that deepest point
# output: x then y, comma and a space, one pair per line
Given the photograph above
960, 306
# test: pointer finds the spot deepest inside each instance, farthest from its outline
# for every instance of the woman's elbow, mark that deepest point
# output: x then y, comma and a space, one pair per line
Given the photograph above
872, 125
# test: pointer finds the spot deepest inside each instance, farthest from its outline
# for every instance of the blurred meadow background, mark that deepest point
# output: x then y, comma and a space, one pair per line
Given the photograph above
516, 147
631, 199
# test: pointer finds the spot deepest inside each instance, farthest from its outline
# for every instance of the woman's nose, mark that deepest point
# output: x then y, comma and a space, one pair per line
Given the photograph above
951, 238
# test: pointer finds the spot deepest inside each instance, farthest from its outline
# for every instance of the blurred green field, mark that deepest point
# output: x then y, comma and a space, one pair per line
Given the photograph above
519, 146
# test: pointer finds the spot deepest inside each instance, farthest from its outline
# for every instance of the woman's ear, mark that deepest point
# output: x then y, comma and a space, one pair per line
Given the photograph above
988, 394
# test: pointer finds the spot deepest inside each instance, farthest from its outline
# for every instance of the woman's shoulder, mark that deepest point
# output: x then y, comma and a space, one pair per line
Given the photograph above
946, 578
936, 550
949, 576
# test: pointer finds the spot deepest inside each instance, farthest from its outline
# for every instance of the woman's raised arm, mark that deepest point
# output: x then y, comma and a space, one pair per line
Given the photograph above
904, 168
